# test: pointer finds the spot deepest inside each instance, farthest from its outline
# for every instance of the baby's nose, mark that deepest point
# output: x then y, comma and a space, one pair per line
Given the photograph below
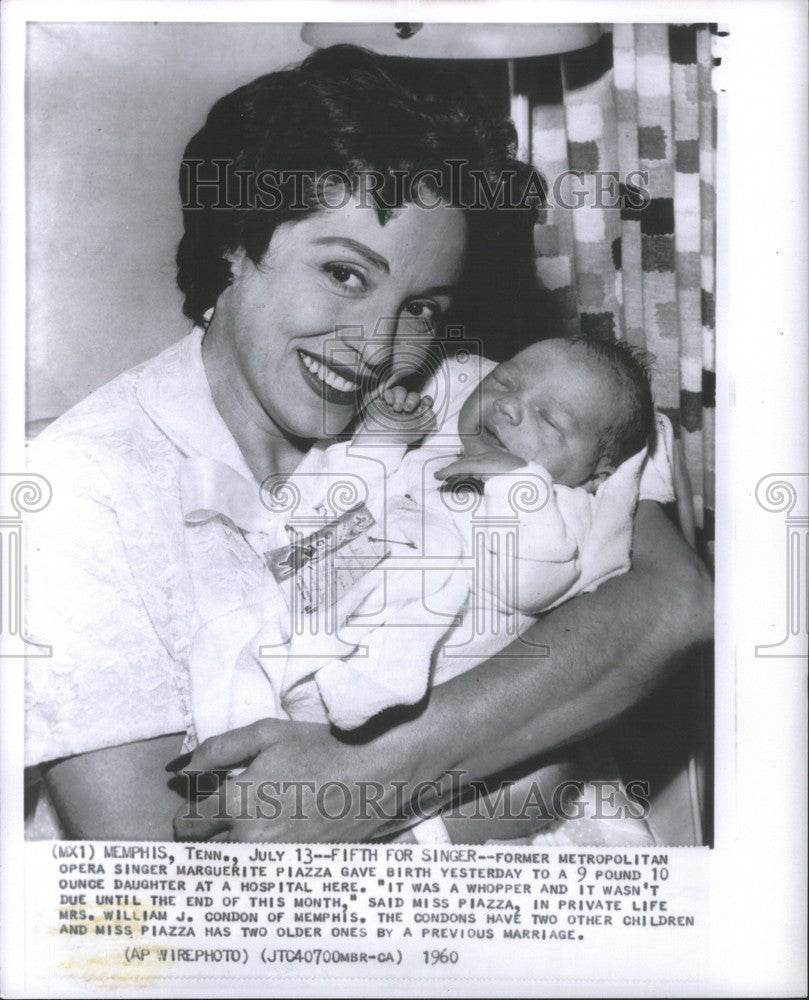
509, 407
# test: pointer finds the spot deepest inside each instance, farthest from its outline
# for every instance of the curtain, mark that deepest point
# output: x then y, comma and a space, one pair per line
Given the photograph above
636, 262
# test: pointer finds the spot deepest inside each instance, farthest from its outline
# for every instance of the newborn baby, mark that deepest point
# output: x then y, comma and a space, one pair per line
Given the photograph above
553, 441
578, 408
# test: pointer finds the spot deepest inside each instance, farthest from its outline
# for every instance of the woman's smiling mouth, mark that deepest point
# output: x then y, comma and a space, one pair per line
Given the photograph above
327, 382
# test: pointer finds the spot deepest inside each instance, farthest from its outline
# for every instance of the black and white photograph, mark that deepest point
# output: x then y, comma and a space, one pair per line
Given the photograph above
368, 555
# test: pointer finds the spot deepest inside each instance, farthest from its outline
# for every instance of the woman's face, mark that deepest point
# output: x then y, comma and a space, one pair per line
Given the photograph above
336, 301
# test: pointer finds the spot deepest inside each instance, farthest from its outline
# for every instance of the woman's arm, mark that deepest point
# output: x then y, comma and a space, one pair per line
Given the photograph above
121, 793
607, 650
111, 676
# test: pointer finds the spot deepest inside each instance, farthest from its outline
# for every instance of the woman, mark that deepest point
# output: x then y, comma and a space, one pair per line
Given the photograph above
282, 277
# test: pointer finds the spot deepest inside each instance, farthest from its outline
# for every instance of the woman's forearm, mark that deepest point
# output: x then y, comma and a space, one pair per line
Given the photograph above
120, 793
606, 651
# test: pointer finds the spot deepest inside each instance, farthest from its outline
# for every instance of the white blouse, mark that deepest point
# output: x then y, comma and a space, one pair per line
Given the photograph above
118, 583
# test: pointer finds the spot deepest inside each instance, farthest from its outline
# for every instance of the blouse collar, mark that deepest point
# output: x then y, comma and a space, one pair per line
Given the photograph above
175, 393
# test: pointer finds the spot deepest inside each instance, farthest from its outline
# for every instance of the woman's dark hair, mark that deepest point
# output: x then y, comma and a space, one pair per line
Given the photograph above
259, 159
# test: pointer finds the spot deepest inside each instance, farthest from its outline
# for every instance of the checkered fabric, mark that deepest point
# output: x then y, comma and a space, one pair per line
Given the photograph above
639, 104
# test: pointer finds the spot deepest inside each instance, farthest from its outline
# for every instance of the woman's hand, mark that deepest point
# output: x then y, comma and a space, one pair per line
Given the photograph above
302, 784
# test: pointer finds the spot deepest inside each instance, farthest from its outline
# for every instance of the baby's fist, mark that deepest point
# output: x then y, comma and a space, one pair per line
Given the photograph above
402, 401
481, 467
398, 415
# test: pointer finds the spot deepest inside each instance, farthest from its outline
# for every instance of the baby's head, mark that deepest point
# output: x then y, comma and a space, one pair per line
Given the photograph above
578, 407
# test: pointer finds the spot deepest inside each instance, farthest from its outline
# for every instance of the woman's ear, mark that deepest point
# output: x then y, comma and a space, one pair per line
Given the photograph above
236, 259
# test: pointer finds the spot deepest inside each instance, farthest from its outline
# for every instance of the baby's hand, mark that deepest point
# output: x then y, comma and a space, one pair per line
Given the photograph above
397, 415
481, 467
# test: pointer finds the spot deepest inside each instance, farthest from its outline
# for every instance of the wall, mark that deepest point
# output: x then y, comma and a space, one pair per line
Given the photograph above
109, 109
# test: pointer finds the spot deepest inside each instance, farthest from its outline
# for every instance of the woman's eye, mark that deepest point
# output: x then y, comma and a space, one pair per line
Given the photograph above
429, 311
347, 277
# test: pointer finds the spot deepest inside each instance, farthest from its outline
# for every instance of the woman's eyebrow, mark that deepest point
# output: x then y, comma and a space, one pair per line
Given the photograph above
364, 251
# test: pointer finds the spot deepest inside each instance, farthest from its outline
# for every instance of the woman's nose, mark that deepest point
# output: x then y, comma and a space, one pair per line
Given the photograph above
510, 407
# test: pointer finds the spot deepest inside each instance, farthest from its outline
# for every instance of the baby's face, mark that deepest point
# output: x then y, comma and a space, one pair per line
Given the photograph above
549, 404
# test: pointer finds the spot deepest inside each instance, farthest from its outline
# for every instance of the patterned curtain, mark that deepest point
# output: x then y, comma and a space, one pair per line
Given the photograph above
638, 105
